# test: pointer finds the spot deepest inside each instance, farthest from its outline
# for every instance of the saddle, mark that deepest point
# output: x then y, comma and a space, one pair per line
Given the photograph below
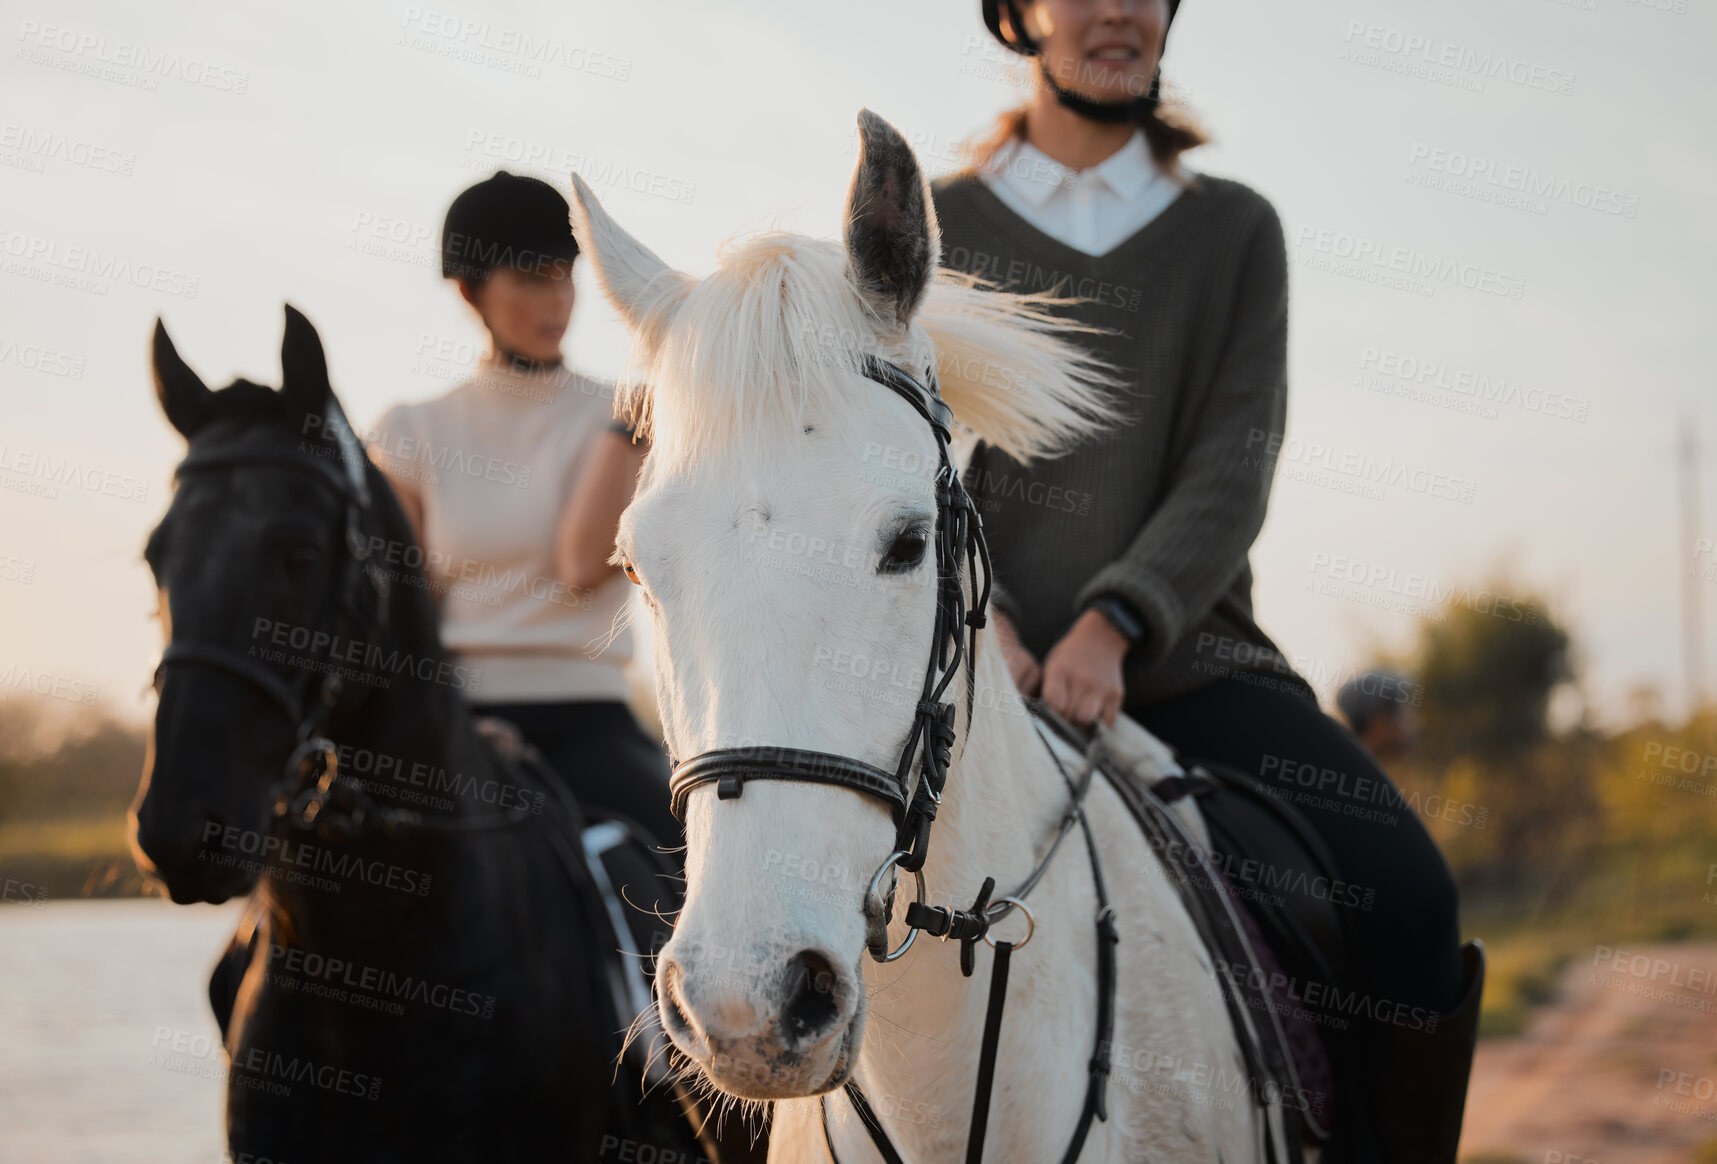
1297, 938
608, 856
630, 876
635, 887
629, 886
1243, 861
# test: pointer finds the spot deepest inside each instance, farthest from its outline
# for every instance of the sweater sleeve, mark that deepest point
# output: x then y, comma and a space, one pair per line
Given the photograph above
1195, 543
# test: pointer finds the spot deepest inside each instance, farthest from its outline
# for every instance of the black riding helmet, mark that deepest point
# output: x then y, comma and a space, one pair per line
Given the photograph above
506, 221
1021, 42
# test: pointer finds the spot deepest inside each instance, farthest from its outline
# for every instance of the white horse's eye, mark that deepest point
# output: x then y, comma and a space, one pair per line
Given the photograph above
906, 552
631, 573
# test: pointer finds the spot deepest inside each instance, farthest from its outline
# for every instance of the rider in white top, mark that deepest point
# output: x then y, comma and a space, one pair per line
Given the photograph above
514, 482
487, 470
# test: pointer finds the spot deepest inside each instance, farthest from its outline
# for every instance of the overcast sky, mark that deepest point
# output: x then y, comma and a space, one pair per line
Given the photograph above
207, 161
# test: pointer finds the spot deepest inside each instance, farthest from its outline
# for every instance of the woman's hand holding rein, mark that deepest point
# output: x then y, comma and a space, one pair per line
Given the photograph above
1082, 672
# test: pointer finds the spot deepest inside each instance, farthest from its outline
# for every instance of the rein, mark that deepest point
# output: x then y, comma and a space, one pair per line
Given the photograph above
312, 793
976, 922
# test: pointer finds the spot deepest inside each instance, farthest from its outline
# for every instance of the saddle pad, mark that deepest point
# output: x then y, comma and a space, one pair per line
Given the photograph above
1305, 1042
1149, 761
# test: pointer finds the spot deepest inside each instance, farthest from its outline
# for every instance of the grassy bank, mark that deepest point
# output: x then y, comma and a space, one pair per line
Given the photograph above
69, 857
1528, 948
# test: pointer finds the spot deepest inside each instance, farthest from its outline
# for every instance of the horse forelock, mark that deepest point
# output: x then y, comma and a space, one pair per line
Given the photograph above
244, 399
254, 414
774, 337
769, 342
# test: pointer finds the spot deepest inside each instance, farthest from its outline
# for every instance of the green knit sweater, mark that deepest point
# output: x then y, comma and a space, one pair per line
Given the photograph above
1162, 509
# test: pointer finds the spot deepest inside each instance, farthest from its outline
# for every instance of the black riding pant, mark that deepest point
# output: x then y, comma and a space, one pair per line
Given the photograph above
1409, 937
601, 751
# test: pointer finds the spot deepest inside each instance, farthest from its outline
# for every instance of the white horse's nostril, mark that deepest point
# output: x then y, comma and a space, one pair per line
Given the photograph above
704, 1006
677, 1017
704, 1011
812, 1001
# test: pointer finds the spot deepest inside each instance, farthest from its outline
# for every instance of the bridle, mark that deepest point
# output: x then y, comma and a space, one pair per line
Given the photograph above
312, 793
954, 640
959, 536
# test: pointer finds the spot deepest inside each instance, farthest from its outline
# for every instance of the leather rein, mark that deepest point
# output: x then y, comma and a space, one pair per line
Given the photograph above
959, 540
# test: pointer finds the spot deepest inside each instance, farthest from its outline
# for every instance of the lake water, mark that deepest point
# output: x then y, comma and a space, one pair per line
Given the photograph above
108, 1052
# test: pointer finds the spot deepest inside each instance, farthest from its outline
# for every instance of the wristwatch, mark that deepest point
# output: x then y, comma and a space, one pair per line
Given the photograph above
1120, 614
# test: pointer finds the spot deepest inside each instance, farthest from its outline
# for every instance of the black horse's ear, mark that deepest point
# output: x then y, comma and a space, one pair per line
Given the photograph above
184, 397
893, 244
304, 369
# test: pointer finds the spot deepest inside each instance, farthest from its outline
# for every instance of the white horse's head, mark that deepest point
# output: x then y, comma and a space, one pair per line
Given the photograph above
782, 534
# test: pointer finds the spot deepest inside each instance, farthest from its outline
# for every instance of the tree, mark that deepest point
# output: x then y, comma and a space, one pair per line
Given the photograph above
1486, 670
1486, 674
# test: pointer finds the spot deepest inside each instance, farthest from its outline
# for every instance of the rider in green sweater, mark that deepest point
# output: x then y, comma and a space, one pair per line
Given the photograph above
1123, 566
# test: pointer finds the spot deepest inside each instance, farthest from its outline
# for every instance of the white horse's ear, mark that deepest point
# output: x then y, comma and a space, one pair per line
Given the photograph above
893, 242
643, 288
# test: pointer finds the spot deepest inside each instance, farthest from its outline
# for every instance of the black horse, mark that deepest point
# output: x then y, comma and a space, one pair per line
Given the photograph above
429, 972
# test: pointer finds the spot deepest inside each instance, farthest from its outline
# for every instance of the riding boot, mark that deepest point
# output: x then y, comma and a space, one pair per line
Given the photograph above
1423, 1077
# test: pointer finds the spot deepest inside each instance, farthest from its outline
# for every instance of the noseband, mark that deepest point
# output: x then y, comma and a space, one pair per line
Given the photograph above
959, 536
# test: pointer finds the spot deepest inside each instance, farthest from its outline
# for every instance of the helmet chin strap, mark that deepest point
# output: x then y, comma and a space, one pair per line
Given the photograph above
1132, 109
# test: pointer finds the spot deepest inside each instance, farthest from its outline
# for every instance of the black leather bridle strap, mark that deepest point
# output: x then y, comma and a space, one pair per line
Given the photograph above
279, 692
241, 456
1096, 1103
1262, 1044
1096, 1106
867, 1118
987, 1053
930, 406
1097, 1082
729, 769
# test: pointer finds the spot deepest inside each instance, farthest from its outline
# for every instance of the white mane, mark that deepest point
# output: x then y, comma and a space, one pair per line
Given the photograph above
775, 335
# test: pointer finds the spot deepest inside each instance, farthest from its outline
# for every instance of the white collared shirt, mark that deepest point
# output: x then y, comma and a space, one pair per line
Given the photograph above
1092, 210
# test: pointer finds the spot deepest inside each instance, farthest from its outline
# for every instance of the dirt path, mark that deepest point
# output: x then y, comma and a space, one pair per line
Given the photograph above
1622, 1069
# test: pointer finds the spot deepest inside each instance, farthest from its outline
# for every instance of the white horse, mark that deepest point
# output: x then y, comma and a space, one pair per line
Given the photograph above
779, 534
